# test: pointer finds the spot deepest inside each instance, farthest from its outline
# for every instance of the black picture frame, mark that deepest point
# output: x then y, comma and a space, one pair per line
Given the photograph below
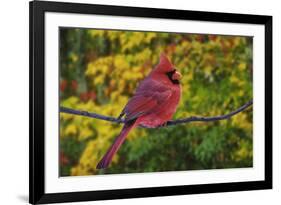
37, 9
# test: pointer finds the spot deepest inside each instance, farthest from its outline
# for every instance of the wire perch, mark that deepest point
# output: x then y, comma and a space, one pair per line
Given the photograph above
169, 123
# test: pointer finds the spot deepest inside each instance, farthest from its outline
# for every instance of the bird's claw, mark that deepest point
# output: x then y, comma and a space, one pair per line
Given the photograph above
163, 125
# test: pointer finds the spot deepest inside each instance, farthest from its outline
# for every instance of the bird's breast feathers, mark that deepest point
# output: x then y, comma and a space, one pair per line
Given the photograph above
154, 103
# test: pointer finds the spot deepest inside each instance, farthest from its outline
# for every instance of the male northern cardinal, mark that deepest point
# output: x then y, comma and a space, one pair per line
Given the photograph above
154, 103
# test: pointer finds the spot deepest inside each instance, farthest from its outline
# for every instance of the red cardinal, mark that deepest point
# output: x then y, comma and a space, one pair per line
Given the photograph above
154, 103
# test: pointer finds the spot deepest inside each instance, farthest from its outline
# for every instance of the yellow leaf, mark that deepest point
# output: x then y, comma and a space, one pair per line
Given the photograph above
242, 66
71, 129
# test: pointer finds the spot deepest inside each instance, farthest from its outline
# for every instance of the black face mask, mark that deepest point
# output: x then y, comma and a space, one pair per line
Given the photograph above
170, 75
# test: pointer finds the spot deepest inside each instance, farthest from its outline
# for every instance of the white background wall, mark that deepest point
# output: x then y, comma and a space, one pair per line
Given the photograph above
14, 100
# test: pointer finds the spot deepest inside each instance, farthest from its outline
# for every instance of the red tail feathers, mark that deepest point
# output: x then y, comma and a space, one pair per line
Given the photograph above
105, 161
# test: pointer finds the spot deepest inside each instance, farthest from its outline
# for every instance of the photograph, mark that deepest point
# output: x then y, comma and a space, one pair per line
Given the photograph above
140, 102
130, 102
123, 95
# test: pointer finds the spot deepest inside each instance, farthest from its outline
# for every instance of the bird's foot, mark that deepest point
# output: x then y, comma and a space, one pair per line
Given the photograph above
163, 125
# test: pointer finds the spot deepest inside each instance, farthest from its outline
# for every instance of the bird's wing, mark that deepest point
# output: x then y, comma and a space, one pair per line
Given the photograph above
149, 96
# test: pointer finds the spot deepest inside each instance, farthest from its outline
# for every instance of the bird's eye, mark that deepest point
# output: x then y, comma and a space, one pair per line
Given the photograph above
170, 73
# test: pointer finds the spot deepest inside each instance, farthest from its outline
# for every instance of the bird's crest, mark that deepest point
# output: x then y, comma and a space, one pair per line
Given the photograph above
164, 64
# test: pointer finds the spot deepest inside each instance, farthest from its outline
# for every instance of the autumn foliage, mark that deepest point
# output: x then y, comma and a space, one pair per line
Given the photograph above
99, 71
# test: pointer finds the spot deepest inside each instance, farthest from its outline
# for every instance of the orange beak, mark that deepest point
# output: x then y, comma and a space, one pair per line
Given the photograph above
176, 76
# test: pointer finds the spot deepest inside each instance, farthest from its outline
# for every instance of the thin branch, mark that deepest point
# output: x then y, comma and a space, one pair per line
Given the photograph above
169, 123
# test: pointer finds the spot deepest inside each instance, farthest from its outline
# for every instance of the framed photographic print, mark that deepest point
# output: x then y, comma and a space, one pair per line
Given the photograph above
140, 102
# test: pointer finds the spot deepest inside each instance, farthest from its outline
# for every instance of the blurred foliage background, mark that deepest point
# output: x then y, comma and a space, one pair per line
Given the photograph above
99, 71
